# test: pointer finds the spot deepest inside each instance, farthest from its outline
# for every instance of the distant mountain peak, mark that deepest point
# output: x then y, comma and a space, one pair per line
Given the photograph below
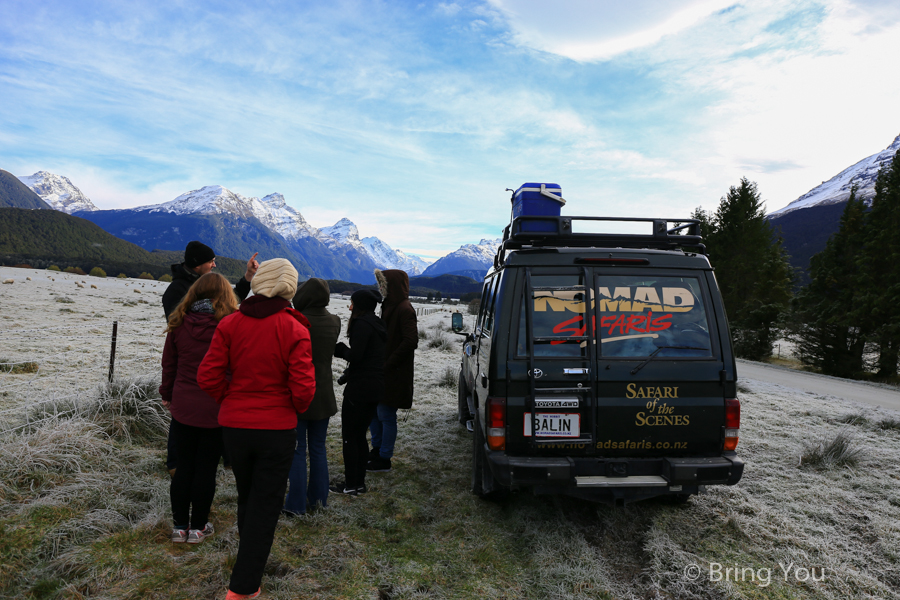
837, 189
58, 191
469, 257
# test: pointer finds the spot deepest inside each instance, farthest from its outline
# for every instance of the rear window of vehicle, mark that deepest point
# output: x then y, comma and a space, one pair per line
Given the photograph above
630, 315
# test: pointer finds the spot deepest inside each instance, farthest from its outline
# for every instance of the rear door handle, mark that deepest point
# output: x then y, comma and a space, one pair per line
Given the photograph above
576, 371
483, 380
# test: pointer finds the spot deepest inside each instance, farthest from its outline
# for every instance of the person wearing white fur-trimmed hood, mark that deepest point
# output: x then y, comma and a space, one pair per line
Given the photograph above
399, 365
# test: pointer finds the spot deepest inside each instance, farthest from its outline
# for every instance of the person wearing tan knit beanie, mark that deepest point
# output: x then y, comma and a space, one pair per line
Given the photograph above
259, 369
275, 277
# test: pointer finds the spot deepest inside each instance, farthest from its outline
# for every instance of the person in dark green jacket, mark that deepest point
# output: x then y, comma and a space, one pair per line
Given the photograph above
312, 426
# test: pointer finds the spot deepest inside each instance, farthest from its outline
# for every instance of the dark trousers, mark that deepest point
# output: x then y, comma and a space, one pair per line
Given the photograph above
171, 452
194, 483
355, 420
260, 460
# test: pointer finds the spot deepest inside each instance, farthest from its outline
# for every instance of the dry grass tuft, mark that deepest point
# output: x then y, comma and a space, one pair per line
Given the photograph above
18, 368
449, 377
832, 452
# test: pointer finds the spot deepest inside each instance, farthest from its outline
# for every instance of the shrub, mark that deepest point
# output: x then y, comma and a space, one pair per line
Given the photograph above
166, 277
76, 270
65, 300
98, 272
53, 268
18, 368
145, 275
827, 453
122, 276
474, 305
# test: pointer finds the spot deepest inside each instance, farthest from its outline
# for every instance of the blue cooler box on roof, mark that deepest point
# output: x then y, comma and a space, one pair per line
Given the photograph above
537, 200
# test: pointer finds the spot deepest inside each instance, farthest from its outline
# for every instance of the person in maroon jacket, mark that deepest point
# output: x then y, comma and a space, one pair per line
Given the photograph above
266, 348
195, 414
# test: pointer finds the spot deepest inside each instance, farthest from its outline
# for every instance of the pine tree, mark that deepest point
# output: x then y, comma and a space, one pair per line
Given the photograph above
751, 268
880, 268
827, 324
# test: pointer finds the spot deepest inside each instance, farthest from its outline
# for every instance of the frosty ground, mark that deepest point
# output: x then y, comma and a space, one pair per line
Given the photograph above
84, 495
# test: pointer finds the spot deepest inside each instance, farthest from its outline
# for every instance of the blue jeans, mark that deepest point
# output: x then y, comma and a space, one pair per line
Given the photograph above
300, 494
384, 430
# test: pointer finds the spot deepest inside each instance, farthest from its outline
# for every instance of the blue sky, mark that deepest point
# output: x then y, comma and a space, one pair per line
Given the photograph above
412, 118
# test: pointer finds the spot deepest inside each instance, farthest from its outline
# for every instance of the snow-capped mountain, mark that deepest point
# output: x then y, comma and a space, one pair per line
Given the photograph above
837, 189
469, 257
343, 233
274, 213
58, 192
388, 258
272, 210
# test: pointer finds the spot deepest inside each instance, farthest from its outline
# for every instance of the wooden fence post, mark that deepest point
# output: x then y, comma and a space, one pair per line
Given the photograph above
112, 351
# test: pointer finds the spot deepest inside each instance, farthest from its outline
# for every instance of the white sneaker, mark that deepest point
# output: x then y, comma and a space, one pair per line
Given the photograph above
179, 536
195, 536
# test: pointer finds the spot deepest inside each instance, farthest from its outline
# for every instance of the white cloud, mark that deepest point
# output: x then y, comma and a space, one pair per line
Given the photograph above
591, 30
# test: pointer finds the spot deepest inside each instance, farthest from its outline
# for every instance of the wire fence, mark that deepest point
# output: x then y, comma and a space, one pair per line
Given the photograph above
42, 369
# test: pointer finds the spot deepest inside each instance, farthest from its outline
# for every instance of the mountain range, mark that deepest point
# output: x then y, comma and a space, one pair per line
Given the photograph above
238, 226
235, 226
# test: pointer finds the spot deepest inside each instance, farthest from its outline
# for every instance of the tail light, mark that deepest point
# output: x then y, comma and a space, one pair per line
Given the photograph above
495, 410
732, 422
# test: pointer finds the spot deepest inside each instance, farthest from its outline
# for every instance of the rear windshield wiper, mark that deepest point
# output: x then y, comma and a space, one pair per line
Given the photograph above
658, 348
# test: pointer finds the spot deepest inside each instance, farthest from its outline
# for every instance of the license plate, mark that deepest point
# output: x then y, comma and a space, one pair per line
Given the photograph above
562, 425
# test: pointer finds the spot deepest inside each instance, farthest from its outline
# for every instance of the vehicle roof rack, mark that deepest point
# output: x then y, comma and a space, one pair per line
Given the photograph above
540, 231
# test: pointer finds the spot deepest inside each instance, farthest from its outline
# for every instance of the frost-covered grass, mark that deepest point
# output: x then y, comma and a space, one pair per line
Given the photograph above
84, 512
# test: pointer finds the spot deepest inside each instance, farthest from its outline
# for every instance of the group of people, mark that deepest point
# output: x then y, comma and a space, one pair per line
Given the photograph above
250, 379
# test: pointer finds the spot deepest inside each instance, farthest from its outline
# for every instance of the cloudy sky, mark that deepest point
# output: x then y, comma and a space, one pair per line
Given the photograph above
412, 118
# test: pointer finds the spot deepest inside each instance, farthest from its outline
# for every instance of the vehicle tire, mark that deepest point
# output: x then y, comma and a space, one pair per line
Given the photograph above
463, 400
482, 478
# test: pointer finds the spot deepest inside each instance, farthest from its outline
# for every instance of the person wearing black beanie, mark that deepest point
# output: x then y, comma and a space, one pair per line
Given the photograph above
198, 253
365, 386
200, 259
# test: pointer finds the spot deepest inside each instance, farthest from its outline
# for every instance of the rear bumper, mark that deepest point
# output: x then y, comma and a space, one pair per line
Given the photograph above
619, 473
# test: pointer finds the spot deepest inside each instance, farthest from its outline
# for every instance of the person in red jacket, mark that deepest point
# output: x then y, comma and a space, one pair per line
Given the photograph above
195, 426
266, 348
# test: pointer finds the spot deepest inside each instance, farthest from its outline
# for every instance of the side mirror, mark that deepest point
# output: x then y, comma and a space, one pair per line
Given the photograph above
456, 322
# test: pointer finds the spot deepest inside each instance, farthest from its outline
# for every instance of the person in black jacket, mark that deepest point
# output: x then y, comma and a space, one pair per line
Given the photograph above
365, 386
200, 259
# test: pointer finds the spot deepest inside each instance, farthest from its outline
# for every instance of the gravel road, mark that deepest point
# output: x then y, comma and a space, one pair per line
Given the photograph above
823, 385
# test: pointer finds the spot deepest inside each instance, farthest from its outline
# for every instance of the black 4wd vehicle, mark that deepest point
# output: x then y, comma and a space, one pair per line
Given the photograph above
601, 364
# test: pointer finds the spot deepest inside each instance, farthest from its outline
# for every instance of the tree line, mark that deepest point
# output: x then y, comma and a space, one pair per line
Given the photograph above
846, 321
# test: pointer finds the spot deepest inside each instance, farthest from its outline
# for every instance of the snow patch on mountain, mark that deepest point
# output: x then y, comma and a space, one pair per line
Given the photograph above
272, 210
484, 251
388, 258
467, 257
837, 189
342, 233
58, 191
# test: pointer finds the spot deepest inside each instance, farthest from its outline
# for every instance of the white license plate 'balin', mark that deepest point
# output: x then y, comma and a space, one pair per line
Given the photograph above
553, 425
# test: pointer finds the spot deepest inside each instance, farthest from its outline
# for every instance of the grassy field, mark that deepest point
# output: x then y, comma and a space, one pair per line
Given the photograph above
84, 513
